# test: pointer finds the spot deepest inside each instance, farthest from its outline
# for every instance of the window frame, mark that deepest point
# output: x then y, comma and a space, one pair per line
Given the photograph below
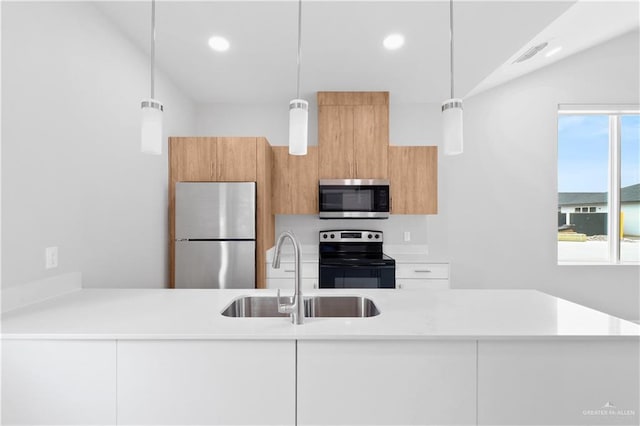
614, 113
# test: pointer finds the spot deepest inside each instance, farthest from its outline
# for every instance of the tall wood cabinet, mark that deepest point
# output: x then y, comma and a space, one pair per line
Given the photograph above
353, 135
221, 159
413, 173
295, 181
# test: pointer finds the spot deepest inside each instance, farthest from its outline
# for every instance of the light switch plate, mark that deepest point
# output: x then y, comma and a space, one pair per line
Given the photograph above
407, 236
51, 257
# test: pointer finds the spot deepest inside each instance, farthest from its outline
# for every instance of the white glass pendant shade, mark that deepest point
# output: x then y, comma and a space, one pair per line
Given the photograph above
452, 126
298, 126
151, 127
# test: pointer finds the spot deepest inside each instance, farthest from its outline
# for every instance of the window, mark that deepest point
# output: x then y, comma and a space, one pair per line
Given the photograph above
598, 184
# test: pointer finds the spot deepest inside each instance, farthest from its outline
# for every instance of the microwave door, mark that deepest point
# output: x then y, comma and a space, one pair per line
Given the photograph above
353, 200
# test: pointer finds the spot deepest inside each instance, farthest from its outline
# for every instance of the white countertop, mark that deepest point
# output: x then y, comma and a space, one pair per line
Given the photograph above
407, 314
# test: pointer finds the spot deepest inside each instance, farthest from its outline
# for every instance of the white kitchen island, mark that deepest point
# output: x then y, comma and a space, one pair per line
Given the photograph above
463, 357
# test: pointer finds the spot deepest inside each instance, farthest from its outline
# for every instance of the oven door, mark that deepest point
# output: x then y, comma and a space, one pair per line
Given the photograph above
357, 276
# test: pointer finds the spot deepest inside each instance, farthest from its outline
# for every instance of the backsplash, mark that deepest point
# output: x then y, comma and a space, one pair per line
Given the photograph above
306, 227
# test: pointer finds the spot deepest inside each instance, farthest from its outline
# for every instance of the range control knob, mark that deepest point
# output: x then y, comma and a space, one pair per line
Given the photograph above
324, 236
333, 235
377, 236
370, 236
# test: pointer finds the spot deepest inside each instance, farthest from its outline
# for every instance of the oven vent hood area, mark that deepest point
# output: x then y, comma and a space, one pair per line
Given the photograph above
353, 198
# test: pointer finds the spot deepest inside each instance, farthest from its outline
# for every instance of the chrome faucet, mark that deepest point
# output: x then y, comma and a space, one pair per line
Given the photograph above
296, 309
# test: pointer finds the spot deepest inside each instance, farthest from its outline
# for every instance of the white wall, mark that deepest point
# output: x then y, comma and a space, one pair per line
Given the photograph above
510, 160
72, 173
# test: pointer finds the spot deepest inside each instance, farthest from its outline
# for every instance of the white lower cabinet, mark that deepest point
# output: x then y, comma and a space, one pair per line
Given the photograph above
571, 382
386, 382
206, 382
58, 382
434, 276
358, 382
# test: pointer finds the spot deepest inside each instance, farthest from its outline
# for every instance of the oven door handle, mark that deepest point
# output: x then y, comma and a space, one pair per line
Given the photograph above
343, 265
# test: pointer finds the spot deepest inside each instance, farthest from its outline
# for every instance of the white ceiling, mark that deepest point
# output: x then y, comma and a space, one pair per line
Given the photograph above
341, 45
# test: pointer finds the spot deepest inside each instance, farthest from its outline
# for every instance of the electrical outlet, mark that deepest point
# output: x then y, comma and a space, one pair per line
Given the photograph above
407, 236
51, 257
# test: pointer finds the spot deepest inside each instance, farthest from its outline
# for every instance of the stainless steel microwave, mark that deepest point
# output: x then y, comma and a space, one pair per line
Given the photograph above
353, 198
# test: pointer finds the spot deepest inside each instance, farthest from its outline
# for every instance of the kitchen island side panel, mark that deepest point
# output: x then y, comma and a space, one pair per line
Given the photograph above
558, 382
199, 382
386, 382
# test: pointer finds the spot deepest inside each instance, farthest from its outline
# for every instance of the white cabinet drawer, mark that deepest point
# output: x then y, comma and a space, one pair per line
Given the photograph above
422, 270
287, 269
435, 284
287, 283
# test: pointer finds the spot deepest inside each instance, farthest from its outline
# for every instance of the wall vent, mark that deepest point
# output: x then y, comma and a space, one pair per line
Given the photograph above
530, 53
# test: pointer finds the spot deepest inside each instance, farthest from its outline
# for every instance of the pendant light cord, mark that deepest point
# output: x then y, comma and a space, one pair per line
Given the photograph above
451, 41
153, 45
299, 46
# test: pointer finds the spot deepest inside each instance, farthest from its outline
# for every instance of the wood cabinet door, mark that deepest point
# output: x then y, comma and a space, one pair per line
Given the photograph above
413, 173
371, 141
335, 142
295, 181
192, 159
236, 159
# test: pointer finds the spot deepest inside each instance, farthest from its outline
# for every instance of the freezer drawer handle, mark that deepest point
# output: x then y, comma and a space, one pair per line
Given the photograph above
422, 270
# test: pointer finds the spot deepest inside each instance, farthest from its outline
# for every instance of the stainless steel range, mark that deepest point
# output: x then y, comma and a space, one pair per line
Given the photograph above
354, 259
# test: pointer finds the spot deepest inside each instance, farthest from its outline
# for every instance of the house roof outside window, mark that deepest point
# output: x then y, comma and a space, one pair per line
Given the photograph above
628, 194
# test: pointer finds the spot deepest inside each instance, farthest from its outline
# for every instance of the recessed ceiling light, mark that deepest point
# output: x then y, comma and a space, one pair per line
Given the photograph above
219, 44
553, 51
393, 41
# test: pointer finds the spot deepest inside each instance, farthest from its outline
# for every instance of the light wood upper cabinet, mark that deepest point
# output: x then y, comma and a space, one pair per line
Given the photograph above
212, 159
353, 135
371, 141
236, 159
335, 140
295, 181
413, 173
192, 159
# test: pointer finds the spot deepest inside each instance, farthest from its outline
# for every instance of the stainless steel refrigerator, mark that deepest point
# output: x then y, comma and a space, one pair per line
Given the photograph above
215, 235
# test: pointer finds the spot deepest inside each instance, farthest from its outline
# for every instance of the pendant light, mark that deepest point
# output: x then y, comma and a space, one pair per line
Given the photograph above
151, 142
452, 108
298, 108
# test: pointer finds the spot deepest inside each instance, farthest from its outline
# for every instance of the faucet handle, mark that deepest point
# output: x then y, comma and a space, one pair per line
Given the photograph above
284, 308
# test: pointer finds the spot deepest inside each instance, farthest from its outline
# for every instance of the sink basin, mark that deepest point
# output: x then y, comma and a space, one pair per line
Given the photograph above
340, 306
316, 306
255, 306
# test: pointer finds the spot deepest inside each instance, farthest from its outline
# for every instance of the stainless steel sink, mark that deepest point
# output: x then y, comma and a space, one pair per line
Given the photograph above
340, 306
255, 306
316, 306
